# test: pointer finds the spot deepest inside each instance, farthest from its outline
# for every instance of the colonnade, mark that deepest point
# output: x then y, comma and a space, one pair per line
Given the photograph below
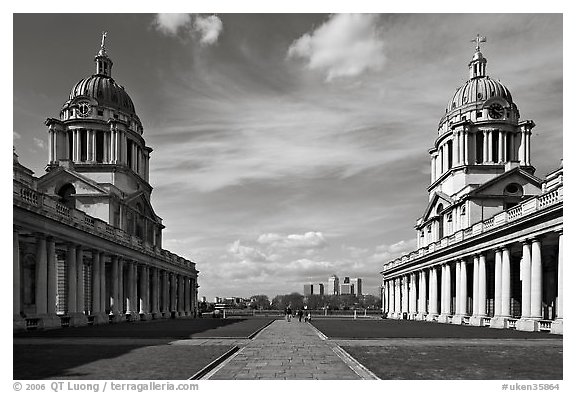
456, 291
498, 146
88, 285
68, 145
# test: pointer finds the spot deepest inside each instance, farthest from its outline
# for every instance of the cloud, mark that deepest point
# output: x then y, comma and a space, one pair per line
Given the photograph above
344, 46
309, 240
40, 143
209, 28
386, 252
245, 253
170, 24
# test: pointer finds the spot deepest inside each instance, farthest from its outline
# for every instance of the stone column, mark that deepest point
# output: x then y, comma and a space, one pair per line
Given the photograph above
187, 296
525, 274
423, 300
95, 282
391, 299
463, 289
448, 290
466, 140
397, 298
173, 289
506, 282
433, 308
498, 283
443, 317
413, 301
155, 293
41, 276
485, 147
557, 324
144, 289
103, 303
130, 298
528, 136
536, 281
458, 294
80, 280
526, 323
115, 276
71, 277
18, 322
501, 147
166, 294
432, 169
456, 148
522, 148
404, 290
490, 144
121, 294
89, 145
475, 287
482, 286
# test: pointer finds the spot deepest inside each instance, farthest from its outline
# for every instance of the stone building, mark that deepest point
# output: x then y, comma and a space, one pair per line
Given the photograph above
489, 242
87, 242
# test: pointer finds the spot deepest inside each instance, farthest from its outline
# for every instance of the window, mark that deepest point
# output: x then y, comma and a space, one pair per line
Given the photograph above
479, 114
449, 217
479, 147
115, 116
100, 112
66, 193
513, 189
463, 210
429, 228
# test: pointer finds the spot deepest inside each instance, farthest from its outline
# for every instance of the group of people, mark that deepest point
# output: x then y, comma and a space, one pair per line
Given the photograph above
307, 316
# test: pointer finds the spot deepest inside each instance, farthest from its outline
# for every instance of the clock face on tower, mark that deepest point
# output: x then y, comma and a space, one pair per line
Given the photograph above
84, 108
495, 111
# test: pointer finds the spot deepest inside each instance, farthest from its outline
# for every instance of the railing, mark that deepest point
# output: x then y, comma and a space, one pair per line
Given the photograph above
544, 326
49, 207
486, 321
32, 323
511, 323
466, 320
522, 210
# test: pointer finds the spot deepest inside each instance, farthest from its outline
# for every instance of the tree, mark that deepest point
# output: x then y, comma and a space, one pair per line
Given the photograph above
277, 302
259, 302
294, 300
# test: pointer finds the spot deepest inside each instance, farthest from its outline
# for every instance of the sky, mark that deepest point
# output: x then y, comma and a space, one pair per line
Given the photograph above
288, 147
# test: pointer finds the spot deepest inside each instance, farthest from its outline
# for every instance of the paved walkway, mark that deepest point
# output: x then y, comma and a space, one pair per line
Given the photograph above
290, 350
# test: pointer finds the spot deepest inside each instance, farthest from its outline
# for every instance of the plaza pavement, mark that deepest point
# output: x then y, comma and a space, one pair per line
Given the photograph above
290, 350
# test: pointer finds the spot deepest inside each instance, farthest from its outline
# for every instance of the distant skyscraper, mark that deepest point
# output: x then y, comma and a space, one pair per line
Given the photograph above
346, 289
318, 289
333, 285
308, 289
357, 283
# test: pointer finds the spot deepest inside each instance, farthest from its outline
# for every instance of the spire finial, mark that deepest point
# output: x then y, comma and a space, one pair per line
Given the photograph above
478, 40
102, 51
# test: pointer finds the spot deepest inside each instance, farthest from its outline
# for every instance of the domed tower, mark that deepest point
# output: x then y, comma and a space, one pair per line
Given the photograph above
480, 161
480, 136
98, 159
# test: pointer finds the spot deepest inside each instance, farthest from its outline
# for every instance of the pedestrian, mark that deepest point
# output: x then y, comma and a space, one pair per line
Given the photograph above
300, 314
308, 317
289, 313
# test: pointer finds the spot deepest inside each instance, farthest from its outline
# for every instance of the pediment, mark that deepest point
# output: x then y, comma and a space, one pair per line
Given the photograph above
497, 186
438, 199
140, 198
55, 179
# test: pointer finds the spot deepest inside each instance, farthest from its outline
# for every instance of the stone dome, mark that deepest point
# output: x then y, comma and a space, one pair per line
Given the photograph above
105, 91
478, 90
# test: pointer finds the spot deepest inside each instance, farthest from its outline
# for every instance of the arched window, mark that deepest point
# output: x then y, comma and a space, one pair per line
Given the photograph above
440, 221
66, 194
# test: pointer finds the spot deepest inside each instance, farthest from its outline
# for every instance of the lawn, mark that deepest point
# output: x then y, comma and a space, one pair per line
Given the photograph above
169, 329
111, 361
491, 362
389, 328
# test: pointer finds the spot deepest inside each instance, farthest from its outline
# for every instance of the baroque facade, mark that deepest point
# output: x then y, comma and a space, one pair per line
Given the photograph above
489, 243
87, 243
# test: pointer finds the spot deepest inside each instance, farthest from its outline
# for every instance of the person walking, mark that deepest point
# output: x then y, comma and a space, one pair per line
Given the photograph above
300, 315
289, 313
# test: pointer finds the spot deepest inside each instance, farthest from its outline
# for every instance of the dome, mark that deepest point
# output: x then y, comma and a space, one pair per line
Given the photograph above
104, 90
478, 90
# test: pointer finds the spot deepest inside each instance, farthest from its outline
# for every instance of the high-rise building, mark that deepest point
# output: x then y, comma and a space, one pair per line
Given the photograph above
333, 285
308, 289
357, 283
318, 289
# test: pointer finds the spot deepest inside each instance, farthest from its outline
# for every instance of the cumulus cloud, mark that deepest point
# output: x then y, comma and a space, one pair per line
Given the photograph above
249, 254
310, 240
169, 24
386, 252
40, 143
344, 46
209, 28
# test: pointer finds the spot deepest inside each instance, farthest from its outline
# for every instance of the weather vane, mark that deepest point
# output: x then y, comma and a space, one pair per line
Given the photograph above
478, 40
